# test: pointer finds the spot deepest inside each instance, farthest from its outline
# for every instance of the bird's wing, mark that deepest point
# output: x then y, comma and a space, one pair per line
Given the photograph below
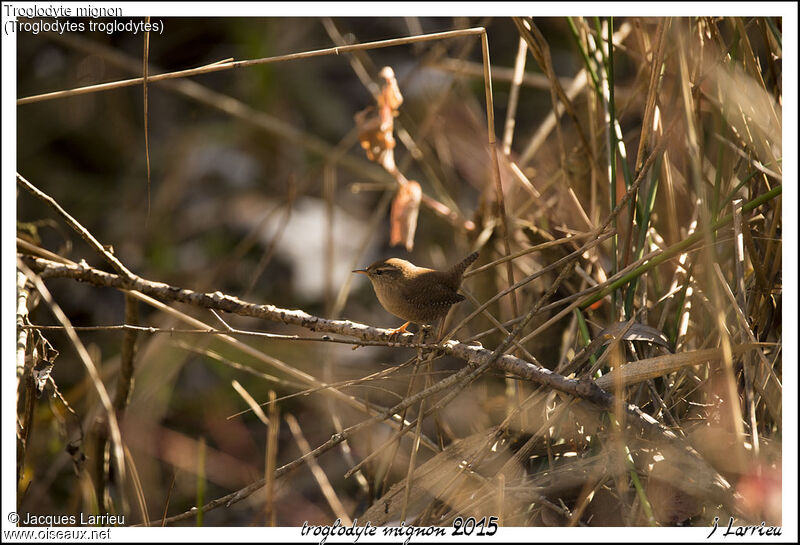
435, 294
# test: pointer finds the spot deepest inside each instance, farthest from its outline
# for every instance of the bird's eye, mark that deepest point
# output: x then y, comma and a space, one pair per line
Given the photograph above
379, 272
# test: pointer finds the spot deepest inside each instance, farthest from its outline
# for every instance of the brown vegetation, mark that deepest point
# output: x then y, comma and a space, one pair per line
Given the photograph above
617, 360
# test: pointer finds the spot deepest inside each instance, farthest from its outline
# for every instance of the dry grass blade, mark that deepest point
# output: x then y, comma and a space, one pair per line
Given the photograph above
501, 206
254, 406
513, 99
412, 460
319, 474
127, 355
541, 51
499, 73
141, 499
646, 369
654, 85
146, 102
270, 459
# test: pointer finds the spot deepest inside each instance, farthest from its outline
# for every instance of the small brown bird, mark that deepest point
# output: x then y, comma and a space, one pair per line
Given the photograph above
416, 294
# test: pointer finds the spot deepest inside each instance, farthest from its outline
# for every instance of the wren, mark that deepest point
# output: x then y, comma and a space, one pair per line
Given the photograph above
416, 294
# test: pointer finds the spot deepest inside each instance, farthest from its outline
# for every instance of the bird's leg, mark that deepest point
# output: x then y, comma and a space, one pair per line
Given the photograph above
400, 330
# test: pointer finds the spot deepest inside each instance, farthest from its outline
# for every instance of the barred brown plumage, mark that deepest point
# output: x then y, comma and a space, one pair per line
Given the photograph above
416, 294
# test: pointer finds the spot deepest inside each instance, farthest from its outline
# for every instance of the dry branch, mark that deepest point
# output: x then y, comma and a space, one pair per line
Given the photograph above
474, 354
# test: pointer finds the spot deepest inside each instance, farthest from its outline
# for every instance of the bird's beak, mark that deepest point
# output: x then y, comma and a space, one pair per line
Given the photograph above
362, 271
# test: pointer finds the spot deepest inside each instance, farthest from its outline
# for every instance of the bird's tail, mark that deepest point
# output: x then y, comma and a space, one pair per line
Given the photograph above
459, 268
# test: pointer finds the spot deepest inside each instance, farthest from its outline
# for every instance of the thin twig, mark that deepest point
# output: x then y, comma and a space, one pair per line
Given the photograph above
127, 355
270, 459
